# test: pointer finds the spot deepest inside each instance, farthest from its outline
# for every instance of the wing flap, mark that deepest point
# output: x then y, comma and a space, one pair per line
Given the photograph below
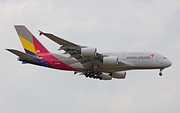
23, 55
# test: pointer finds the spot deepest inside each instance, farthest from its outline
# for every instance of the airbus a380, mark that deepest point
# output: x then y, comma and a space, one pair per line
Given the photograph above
85, 60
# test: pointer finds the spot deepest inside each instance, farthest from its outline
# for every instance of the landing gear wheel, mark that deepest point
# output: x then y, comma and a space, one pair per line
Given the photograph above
92, 74
160, 73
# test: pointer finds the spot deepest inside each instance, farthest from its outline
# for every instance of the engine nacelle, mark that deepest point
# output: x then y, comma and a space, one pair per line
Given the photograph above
111, 60
88, 51
105, 76
119, 75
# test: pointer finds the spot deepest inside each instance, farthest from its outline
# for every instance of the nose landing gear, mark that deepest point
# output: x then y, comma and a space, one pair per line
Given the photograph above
160, 73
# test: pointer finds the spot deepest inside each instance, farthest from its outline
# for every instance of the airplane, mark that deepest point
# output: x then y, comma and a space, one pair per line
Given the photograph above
85, 60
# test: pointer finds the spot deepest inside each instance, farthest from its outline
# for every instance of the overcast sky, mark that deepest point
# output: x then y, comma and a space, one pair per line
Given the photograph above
110, 26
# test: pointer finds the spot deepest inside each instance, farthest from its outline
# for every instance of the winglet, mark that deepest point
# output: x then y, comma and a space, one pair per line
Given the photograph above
40, 32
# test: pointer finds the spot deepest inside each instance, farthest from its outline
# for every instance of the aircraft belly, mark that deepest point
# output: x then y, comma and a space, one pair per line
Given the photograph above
77, 66
106, 68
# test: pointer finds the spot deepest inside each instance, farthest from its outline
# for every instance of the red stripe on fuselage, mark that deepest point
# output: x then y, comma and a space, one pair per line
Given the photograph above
48, 57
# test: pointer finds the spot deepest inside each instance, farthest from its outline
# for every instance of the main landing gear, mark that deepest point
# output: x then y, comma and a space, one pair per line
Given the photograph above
160, 73
92, 74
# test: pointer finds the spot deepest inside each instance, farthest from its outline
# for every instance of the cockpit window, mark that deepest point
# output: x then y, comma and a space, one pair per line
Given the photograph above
164, 57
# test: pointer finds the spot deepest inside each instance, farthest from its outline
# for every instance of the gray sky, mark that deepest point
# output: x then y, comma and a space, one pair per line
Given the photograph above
111, 26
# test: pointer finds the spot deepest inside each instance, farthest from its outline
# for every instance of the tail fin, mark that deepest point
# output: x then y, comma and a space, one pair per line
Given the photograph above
31, 45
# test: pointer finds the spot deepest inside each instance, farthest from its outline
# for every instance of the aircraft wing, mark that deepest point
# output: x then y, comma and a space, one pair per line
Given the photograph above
58, 40
74, 51
23, 55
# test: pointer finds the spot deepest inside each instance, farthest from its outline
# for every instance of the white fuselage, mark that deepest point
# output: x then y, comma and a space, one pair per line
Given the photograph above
131, 60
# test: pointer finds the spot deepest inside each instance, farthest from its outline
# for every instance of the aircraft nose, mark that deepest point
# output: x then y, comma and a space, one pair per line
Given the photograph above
168, 63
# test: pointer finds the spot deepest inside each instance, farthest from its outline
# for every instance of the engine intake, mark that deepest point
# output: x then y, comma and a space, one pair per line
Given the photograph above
111, 60
88, 51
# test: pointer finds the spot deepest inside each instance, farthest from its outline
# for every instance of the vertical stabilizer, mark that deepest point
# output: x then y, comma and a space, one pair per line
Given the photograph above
30, 44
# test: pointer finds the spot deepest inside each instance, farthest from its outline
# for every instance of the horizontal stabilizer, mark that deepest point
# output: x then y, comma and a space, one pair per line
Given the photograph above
23, 55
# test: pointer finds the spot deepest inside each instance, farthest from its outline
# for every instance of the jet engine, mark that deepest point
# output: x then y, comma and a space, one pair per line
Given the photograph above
111, 60
105, 76
88, 51
119, 75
